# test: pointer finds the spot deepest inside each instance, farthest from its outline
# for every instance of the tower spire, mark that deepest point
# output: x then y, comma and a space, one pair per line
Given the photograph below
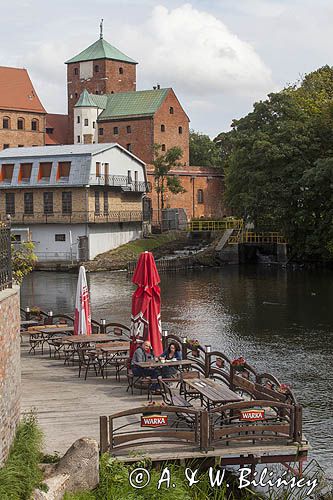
101, 29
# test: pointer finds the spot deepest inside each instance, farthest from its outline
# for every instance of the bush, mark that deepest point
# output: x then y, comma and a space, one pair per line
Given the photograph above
21, 474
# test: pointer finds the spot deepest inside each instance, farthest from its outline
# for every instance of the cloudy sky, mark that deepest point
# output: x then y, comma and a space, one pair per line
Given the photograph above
219, 55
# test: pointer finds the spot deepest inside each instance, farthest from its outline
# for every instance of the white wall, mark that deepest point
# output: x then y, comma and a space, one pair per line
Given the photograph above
104, 237
80, 129
46, 248
119, 163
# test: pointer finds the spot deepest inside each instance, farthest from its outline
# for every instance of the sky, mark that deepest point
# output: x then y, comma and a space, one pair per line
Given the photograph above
220, 56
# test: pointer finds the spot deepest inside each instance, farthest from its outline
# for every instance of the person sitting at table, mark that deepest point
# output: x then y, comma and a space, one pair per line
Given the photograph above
144, 353
171, 353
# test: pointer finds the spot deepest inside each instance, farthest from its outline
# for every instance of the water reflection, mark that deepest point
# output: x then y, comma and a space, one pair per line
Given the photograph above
279, 320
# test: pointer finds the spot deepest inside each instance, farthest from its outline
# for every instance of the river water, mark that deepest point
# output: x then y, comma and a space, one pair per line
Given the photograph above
280, 321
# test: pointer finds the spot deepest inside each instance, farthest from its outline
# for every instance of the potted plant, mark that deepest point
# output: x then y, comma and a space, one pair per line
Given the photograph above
239, 364
194, 344
284, 389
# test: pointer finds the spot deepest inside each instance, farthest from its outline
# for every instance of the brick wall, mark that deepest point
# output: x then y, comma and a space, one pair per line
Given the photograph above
140, 137
10, 368
209, 180
26, 137
174, 123
105, 81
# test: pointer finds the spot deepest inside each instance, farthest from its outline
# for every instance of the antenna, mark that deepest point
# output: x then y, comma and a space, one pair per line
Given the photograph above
101, 29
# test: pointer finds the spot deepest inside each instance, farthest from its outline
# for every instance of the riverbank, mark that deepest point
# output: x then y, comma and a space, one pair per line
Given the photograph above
160, 245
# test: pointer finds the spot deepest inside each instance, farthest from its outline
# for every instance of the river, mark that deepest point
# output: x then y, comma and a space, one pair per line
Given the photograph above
279, 320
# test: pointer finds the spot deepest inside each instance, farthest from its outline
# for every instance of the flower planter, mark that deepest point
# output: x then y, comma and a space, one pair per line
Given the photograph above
195, 353
219, 362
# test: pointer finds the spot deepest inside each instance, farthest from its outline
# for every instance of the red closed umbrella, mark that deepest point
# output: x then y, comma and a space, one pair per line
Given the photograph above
146, 305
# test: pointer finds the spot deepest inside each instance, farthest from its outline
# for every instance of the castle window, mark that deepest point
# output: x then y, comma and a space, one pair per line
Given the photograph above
34, 125
67, 202
20, 124
20, 145
78, 119
129, 147
5, 122
10, 203
100, 131
76, 95
180, 130
86, 122
76, 71
78, 138
200, 196
121, 71
163, 147
97, 92
25, 172
49, 130
5, 146
48, 203
115, 130
162, 128
59, 237
94, 124
128, 129
96, 68
28, 203
171, 110
97, 205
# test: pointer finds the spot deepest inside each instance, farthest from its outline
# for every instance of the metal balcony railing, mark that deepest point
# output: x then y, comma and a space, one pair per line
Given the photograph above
76, 217
121, 181
5, 256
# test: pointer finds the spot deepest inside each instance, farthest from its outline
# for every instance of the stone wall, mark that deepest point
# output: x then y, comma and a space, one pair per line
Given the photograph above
10, 368
14, 137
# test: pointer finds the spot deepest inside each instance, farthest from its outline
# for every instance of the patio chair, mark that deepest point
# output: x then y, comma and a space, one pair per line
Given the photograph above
170, 398
188, 392
89, 359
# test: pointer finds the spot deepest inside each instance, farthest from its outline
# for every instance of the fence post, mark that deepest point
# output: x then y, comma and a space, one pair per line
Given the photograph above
298, 424
204, 430
103, 434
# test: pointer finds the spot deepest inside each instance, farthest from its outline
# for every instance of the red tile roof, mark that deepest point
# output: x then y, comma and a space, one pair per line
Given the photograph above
17, 91
59, 125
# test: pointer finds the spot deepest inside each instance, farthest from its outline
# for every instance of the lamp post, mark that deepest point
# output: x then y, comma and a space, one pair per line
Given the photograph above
165, 334
103, 325
208, 350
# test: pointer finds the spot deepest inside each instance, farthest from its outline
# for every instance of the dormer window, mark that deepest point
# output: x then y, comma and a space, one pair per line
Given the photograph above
7, 172
44, 171
25, 172
63, 170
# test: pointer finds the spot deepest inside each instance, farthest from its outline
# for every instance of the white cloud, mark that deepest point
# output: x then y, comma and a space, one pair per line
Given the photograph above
196, 51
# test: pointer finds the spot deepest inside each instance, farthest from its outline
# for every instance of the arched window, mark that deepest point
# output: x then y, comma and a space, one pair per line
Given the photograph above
171, 110
180, 130
162, 128
121, 71
163, 147
34, 125
6, 122
76, 71
200, 196
20, 124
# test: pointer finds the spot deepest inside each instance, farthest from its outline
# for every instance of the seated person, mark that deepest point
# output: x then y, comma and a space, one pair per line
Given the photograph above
172, 352
143, 353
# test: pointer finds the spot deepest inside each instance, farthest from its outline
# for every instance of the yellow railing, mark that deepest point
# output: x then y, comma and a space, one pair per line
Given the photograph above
215, 225
253, 237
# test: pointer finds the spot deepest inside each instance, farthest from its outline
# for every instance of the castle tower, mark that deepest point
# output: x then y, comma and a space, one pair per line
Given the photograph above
100, 69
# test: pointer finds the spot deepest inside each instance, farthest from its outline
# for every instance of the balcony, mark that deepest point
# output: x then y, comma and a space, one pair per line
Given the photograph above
122, 182
112, 216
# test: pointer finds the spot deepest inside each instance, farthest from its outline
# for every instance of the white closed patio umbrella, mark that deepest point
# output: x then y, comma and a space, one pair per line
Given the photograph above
82, 317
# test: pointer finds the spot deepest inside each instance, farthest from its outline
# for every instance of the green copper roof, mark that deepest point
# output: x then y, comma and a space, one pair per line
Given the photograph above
85, 101
100, 100
100, 50
141, 102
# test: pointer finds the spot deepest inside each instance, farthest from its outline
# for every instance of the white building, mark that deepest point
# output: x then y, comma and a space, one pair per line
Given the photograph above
74, 201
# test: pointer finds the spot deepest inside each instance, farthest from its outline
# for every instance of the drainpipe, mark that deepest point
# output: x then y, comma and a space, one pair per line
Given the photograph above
193, 199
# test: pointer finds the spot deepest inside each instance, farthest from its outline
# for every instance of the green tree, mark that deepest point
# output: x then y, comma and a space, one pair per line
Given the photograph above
203, 151
279, 165
23, 260
163, 163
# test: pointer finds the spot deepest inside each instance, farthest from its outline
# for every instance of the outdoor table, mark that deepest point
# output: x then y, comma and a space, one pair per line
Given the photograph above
159, 364
39, 335
29, 322
116, 355
87, 339
213, 393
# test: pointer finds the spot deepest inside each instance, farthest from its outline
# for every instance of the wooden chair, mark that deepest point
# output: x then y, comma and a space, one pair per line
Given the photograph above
89, 360
189, 393
171, 398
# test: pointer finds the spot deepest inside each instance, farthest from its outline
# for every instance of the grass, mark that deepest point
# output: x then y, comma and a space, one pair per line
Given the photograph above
21, 474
